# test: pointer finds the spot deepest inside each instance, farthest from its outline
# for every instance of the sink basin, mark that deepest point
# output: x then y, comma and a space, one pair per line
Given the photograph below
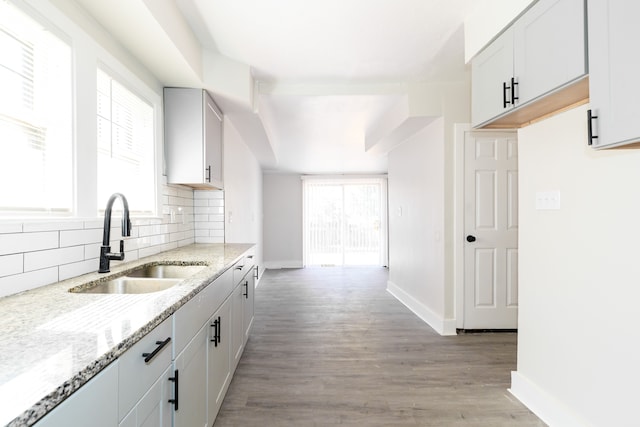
166, 271
145, 279
130, 285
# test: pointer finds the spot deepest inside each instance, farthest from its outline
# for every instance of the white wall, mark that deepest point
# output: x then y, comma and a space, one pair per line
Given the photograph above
243, 192
578, 342
282, 221
421, 175
416, 223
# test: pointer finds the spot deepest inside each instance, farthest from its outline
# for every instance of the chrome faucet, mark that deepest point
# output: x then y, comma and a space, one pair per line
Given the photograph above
105, 250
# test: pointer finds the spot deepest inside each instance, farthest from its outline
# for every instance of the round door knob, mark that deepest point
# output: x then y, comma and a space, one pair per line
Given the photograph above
471, 238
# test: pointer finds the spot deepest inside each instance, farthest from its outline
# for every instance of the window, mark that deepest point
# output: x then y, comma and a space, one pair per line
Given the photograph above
125, 145
345, 221
36, 136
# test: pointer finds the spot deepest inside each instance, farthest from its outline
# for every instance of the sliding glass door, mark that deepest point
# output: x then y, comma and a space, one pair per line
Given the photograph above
345, 221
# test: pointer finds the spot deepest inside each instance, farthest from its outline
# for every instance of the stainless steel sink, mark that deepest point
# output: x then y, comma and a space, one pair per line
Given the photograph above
166, 271
130, 285
145, 279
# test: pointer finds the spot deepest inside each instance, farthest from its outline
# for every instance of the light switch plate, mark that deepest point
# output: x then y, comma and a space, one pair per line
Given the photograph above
548, 200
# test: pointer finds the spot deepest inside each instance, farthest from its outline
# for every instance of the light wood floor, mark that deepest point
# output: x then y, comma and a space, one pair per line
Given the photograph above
330, 346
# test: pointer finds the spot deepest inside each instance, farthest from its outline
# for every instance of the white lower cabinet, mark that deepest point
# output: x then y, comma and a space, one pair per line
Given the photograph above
219, 359
154, 408
95, 404
248, 307
237, 327
190, 381
178, 374
143, 385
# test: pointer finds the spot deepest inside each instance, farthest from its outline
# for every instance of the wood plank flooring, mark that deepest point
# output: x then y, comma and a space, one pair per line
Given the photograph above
330, 346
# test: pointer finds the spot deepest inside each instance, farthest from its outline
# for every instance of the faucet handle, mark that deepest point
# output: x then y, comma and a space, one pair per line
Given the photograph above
122, 248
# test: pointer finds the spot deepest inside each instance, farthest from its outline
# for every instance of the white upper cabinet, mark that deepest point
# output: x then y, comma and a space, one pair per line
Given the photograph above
193, 138
491, 70
614, 67
549, 47
546, 50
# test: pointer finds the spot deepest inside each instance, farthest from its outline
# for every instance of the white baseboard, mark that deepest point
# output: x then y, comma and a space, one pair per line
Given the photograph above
274, 265
440, 325
547, 408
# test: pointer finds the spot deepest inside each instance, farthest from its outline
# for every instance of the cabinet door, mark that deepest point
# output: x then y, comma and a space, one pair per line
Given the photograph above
153, 409
247, 309
213, 142
141, 366
219, 359
94, 404
549, 47
191, 366
489, 71
237, 324
183, 135
614, 68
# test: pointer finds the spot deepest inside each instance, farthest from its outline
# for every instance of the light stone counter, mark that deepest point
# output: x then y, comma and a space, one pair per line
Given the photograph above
54, 341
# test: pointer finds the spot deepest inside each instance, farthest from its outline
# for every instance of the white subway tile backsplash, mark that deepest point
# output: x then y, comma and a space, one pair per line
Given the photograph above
186, 242
27, 242
11, 227
210, 225
157, 249
209, 210
25, 281
35, 253
94, 223
68, 271
185, 193
80, 237
208, 207
11, 264
210, 240
93, 250
52, 257
200, 232
51, 226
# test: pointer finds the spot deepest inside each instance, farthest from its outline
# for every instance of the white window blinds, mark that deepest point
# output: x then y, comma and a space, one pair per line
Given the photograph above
125, 145
36, 137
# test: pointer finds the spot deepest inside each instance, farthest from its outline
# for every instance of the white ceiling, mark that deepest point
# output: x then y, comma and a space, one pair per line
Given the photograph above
325, 72
328, 40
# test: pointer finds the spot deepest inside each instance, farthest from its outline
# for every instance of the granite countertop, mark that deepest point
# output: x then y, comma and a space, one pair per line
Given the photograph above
54, 341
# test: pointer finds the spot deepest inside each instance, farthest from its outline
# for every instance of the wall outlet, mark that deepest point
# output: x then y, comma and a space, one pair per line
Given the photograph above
547, 200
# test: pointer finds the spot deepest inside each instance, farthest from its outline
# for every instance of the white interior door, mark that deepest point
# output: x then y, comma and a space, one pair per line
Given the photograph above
491, 231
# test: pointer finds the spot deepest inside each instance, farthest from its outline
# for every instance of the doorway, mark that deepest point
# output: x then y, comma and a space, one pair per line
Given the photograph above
345, 221
486, 241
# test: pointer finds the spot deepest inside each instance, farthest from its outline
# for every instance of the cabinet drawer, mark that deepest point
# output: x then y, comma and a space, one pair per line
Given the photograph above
249, 261
219, 291
238, 271
136, 375
191, 316
242, 267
